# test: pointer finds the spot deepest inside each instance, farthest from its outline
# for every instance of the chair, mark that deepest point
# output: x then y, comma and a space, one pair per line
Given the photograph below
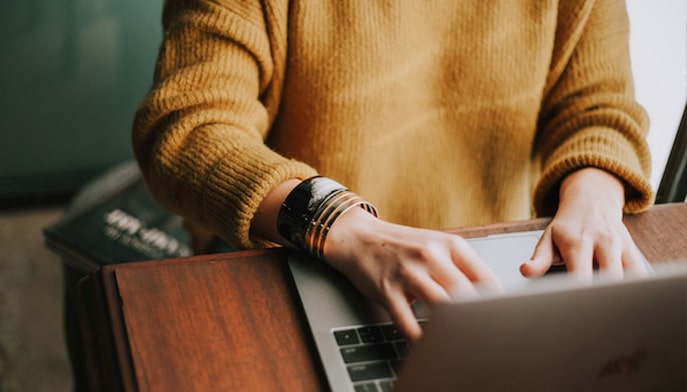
673, 186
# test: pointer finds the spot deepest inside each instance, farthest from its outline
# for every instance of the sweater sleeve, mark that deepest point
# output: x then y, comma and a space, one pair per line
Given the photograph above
589, 116
199, 134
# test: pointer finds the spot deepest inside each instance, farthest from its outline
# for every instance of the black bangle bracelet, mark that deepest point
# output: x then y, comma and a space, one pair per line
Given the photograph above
300, 206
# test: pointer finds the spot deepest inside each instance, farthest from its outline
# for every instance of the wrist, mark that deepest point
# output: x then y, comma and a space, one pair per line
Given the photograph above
593, 184
347, 231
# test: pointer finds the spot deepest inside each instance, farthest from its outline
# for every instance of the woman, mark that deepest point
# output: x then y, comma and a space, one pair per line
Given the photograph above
439, 113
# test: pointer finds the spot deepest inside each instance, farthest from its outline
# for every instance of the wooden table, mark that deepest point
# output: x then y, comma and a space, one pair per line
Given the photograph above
231, 322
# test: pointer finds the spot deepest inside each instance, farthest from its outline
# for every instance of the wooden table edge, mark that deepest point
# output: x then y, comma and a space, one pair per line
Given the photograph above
106, 289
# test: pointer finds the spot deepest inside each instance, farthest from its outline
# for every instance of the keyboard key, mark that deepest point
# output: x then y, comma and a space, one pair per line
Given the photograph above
386, 385
372, 352
391, 332
369, 371
369, 387
371, 334
346, 337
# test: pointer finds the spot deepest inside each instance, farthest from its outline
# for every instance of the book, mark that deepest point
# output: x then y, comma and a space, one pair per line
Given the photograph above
115, 219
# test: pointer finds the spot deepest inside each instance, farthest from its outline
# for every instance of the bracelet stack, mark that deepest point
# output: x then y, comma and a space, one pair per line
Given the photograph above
311, 209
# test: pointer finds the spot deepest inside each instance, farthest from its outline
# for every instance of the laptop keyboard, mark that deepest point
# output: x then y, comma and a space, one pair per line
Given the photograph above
372, 355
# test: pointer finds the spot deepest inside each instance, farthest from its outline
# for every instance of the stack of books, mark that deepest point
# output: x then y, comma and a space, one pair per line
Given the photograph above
115, 219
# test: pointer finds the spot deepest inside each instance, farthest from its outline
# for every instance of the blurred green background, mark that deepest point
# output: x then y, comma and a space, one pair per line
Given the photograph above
71, 75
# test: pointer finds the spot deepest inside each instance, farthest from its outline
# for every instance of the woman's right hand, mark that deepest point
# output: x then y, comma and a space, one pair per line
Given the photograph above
395, 264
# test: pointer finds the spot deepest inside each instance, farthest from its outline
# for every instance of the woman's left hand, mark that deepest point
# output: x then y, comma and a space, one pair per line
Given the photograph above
587, 230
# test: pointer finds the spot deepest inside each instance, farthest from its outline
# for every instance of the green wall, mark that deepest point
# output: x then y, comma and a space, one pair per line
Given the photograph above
71, 75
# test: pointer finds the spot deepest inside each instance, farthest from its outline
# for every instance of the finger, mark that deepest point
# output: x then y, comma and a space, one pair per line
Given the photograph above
542, 257
578, 255
608, 255
443, 271
632, 260
403, 316
472, 267
441, 268
426, 289
465, 291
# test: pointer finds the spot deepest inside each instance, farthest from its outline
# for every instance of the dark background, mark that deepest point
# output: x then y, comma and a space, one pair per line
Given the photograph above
71, 75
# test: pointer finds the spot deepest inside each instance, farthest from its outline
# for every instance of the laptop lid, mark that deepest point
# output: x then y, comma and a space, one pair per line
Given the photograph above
627, 335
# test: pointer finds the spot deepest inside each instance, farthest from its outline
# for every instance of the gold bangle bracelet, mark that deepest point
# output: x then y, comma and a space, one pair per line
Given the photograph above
331, 210
310, 210
315, 226
334, 210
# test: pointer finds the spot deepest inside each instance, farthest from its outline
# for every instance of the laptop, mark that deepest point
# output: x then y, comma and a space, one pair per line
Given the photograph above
543, 334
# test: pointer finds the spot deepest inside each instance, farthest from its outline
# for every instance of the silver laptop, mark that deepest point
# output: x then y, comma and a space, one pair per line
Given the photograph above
544, 334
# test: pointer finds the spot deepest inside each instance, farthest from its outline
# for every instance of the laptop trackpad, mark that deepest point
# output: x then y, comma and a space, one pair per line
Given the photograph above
504, 253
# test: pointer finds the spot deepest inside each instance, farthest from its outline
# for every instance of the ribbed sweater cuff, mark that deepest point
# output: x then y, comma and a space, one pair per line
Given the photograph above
595, 149
236, 178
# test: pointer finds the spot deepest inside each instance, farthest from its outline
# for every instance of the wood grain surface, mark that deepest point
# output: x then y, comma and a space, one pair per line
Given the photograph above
232, 321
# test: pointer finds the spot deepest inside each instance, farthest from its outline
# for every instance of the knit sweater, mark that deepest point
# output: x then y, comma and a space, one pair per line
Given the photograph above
441, 113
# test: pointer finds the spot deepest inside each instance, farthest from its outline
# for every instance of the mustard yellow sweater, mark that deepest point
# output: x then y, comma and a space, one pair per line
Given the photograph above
441, 113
